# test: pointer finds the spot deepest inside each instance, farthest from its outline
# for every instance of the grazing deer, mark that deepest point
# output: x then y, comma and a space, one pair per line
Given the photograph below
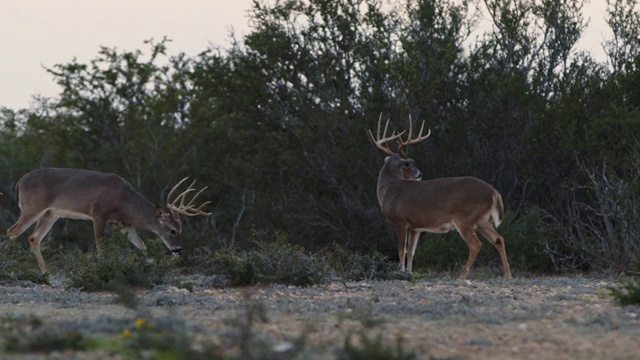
438, 206
47, 194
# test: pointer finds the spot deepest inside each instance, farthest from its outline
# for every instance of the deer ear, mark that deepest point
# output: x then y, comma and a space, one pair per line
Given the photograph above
386, 159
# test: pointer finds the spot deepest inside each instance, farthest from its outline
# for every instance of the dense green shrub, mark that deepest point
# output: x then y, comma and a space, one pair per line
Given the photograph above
121, 264
628, 293
354, 266
28, 334
272, 259
366, 348
17, 262
526, 237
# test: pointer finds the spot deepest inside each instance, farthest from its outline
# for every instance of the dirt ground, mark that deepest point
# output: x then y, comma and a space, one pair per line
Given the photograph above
524, 318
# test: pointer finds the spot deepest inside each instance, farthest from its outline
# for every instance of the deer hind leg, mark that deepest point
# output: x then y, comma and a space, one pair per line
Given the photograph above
401, 233
412, 243
25, 220
474, 244
489, 232
45, 223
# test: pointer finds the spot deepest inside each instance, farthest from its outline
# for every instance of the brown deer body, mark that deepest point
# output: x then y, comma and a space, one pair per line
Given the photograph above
413, 206
47, 194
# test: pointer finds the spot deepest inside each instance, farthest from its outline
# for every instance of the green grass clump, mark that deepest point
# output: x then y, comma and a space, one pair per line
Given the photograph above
354, 266
17, 263
121, 264
628, 293
373, 349
22, 334
272, 259
361, 344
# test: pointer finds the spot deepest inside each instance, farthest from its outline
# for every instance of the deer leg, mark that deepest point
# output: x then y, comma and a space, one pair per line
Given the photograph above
412, 237
98, 231
474, 245
133, 236
401, 232
45, 223
24, 222
489, 232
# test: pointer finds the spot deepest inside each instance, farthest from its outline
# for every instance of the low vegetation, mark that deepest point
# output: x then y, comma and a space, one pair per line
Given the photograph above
119, 265
17, 263
628, 292
167, 337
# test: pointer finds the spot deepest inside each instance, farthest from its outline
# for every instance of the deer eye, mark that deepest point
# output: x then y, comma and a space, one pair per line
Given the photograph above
173, 232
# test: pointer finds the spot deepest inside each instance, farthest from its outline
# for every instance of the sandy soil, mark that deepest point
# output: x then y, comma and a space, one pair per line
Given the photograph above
526, 318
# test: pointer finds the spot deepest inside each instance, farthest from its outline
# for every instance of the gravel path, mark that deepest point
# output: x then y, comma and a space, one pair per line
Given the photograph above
525, 318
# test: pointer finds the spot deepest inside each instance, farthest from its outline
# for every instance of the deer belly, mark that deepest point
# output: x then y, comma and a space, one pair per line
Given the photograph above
69, 214
441, 228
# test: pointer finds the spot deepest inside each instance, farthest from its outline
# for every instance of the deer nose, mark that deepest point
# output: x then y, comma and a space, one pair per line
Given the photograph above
177, 250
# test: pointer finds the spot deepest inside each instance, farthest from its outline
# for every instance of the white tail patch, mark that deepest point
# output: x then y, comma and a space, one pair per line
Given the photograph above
497, 210
495, 216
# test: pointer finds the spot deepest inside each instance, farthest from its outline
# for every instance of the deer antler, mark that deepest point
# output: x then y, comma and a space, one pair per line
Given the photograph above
188, 209
378, 142
409, 140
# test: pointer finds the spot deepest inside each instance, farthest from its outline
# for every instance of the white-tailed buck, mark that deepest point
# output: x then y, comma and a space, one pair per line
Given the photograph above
47, 194
413, 206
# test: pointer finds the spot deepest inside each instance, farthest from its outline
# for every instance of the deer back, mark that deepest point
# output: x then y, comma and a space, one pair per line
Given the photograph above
80, 193
433, 204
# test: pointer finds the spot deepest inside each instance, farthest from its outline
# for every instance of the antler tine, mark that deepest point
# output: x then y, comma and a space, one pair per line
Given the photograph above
189, 209
174, 189
409, 140
378, 142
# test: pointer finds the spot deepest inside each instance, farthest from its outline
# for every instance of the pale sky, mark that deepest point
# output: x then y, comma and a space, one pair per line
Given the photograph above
41, 33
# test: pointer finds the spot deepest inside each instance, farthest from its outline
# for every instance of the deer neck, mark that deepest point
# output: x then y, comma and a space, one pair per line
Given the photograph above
140, 212
386, 180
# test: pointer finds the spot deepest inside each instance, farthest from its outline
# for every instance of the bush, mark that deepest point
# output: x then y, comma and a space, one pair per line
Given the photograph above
628, 293
599, 221
18, 263
373, 349
271, 260
526, 236
354, 266
122, 265
30, 334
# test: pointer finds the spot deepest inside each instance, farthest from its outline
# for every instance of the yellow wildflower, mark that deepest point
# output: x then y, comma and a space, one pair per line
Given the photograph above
141, 322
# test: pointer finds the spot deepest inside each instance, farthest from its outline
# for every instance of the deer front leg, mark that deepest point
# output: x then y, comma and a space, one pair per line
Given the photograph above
133, 236
412, 237
98, 231
401, 232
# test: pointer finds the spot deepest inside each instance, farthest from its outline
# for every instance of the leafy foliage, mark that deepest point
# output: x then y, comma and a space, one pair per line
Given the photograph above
375, 349
272, 261
28, 334
19, 263
121, 265
276, 124
354, 266
628, 293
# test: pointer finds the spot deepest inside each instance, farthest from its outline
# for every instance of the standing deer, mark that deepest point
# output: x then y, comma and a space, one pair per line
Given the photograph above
47, 194
413, 206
